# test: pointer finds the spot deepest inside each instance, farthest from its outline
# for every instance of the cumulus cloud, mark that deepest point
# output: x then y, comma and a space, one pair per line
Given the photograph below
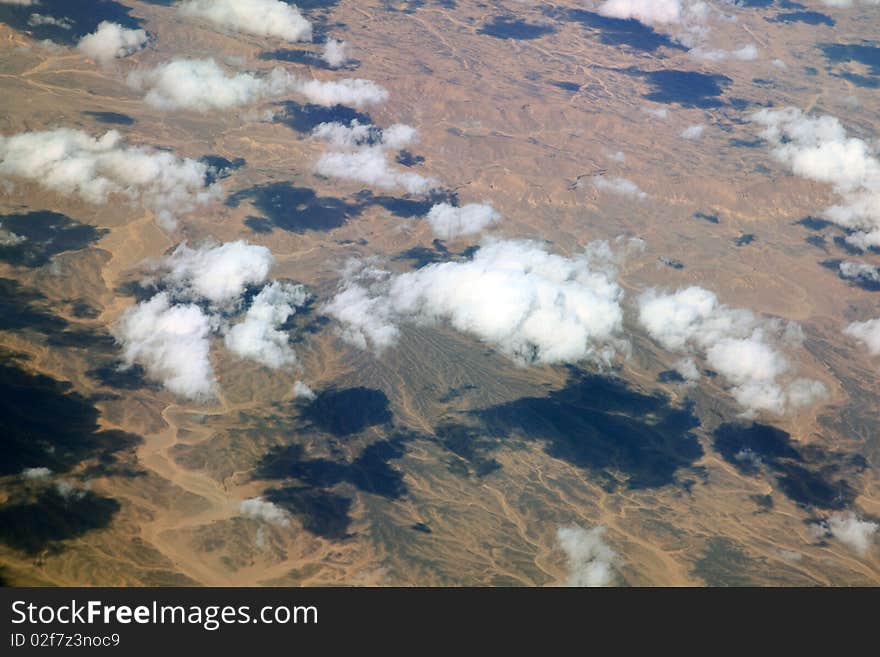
42, 19
335, 53
660, 113
353, 92
817, 148
370, 165
846, 527
257, 338
620, 186
36, 473
849, 3
736, 343
262, 509
867, 332
645, 11
218, 273
533, 306
357, 134
74, 163
203, 85
694, 131
449, 222
859, 271
112, 40
202, 291
590, 560
747, 52
302, 391
271, 18
172, 342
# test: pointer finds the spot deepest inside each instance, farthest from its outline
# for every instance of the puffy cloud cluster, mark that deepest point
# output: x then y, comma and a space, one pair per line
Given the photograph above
590, 559
817, 148
370, 165
735, 343
354, 92
74, 163
335, 53
170, 334
747, 52
849, 3
36, 473
533, 306
171, 341
448, 221
846, 527
644, 11
694, 131
301, 390
257, 338
218, 273
271, 18
859, 271
112, 40
203, 85
262, 509
620, 186
867, 332
42, 19
357, 134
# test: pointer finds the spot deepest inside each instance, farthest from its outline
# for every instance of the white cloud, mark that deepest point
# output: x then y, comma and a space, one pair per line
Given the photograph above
533, 306
660, 113
620, 186
8, 238
846, 527
202, 290
22, 3
590, 560
112, 40
747, 52
69, 491
399, 136
218, 273
848, 3
73, 163
859, 271
736, 343
302, 391
42, 19
257, 337
694, 131
353, 92
645, 11
261, 509
202, 85
370, 165
272, 18
36, 473
335, 53
366, 318
819, 149
867, 332
449, 222
172, 343
357, 134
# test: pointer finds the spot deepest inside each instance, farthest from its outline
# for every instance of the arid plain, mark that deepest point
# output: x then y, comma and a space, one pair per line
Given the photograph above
440, 460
